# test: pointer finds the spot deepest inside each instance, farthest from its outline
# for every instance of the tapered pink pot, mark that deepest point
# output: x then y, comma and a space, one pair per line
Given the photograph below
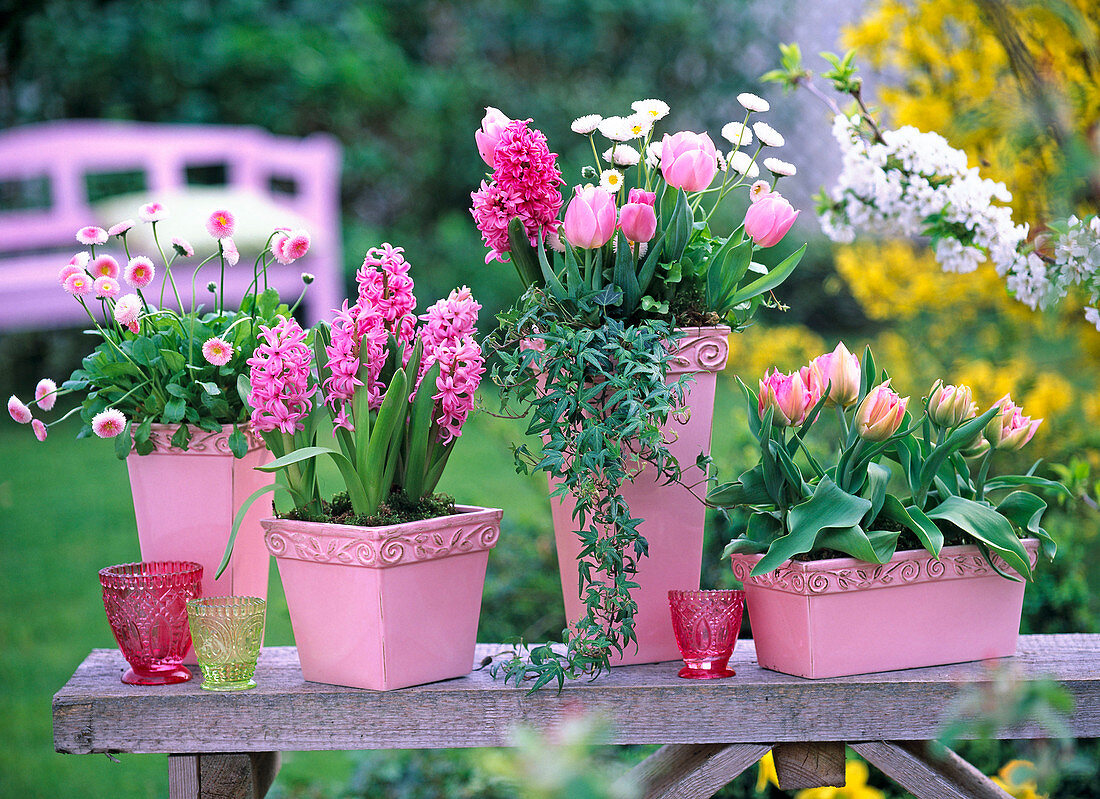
385, 607
185, 501
674, 516
832, 618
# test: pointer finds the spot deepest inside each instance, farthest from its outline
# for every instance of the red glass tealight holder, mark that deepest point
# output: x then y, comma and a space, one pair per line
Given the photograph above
706, 624
146, 605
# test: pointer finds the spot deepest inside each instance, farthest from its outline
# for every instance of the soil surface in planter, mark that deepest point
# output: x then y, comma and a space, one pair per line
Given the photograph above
397, 509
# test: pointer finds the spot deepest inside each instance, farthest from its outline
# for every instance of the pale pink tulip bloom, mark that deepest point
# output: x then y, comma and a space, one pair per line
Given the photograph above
1010, 429
787, 396
590, 218
688, 160
488, 137
838, 370
881, 413
768, 220
637, 218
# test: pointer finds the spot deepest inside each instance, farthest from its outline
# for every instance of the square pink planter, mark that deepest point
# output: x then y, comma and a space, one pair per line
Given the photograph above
832, 618
385, 607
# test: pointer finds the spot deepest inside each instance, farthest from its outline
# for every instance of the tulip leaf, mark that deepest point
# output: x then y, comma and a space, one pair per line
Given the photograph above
962, 436
762, 529
1025, 510
874, 547
649, 265
868, 374
828, 507
913, 519
523, 254
754, 405
878, 476
678, 225
748, 490
624, 275
1015, 480
988, 526
769, 281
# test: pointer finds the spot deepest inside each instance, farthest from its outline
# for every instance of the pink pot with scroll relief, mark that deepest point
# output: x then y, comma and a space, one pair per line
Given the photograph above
842, 616
385, 607
185, 501
674, 515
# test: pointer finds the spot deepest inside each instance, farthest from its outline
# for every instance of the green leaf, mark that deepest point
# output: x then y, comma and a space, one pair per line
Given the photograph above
914, 519
876, 547
420, 424
173, 410
244, 389
1025, 510
878, 476
962, 436
1016, 480
123, 442
181, 437
210, 388
356, 493
390, 415
748, 490
143, 351
237, 520
176, 390
828, 507
988, 526
769, 281
238, 443
268, 302
624, 276
173, 361
523, 254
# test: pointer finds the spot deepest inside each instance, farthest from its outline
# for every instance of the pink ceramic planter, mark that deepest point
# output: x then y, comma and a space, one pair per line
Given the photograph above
832, 618
385, 607
185, 501
674, 516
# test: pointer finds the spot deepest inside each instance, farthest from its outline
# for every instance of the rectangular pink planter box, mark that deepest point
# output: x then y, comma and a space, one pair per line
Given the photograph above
385, 607
832, 618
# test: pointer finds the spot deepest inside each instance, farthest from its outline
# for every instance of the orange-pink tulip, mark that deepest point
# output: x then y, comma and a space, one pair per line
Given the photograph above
1010, 429
787, 396
838, 370
881, 413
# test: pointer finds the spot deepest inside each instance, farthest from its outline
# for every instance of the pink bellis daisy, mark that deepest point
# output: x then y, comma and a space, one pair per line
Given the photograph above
45, 393
220, 224
108, 423
91, 235
217, 351
106, 288
104, 266
68, 269
289, 246
182, 247
139, 272
152, 212
121, 228
127, 310
78, 284
18, 411
229, 252
39, 429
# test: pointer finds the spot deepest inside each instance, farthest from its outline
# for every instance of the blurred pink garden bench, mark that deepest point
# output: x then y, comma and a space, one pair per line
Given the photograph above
56, 177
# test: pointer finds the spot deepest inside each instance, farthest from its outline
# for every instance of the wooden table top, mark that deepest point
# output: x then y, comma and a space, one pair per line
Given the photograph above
96, 712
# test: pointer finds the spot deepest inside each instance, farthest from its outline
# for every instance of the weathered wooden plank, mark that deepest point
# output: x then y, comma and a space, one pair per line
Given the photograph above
95, 712
943, 775
237, 775
809, 765
692, 771
183, 776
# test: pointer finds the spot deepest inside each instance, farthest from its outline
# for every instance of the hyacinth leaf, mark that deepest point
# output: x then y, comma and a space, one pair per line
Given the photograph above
420, 423
748, 490
769, 281
239, 519
360, 501
913, 519
988, 526
438, 462
244, 390
390, 420
523, 254
1025, 510
874, 547
322, 338
962, 436
548, 275
828, 507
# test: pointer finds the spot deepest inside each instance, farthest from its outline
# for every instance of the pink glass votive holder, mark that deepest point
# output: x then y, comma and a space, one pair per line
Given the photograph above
706, 624
146, 605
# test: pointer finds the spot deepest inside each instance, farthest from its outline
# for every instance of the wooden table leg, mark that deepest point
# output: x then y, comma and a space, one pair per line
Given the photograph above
929, 772
693, 771
809, 765
245, 775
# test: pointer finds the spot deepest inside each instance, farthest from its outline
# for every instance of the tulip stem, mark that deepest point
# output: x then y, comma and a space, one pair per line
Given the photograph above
843, 419
983, 472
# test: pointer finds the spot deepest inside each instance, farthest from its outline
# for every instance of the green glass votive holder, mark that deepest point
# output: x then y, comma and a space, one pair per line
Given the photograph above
226, 632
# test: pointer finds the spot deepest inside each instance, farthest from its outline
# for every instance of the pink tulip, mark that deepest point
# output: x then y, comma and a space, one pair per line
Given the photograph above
787, 396
487, 139
949, 406
881, 413
838, 370
637, 218
1010, 429
688, 160
590, 218
768, 220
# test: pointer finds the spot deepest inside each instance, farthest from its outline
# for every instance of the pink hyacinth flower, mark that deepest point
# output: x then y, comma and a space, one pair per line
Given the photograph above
787, 396
45, 394
108, 423
221, 224
39, 429
91, 235
78, 284
104, 266
217, 351
487, 138
139, 272
589, 218
152, 212
688, 160
106, 288
18, 411
768, 220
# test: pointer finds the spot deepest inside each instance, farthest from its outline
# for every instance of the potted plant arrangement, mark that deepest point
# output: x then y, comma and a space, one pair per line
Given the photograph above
614, 348
902, 552
383, 581
163, 383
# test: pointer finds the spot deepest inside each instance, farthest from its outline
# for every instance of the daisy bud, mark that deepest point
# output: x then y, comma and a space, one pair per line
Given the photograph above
18, 411
307, 278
